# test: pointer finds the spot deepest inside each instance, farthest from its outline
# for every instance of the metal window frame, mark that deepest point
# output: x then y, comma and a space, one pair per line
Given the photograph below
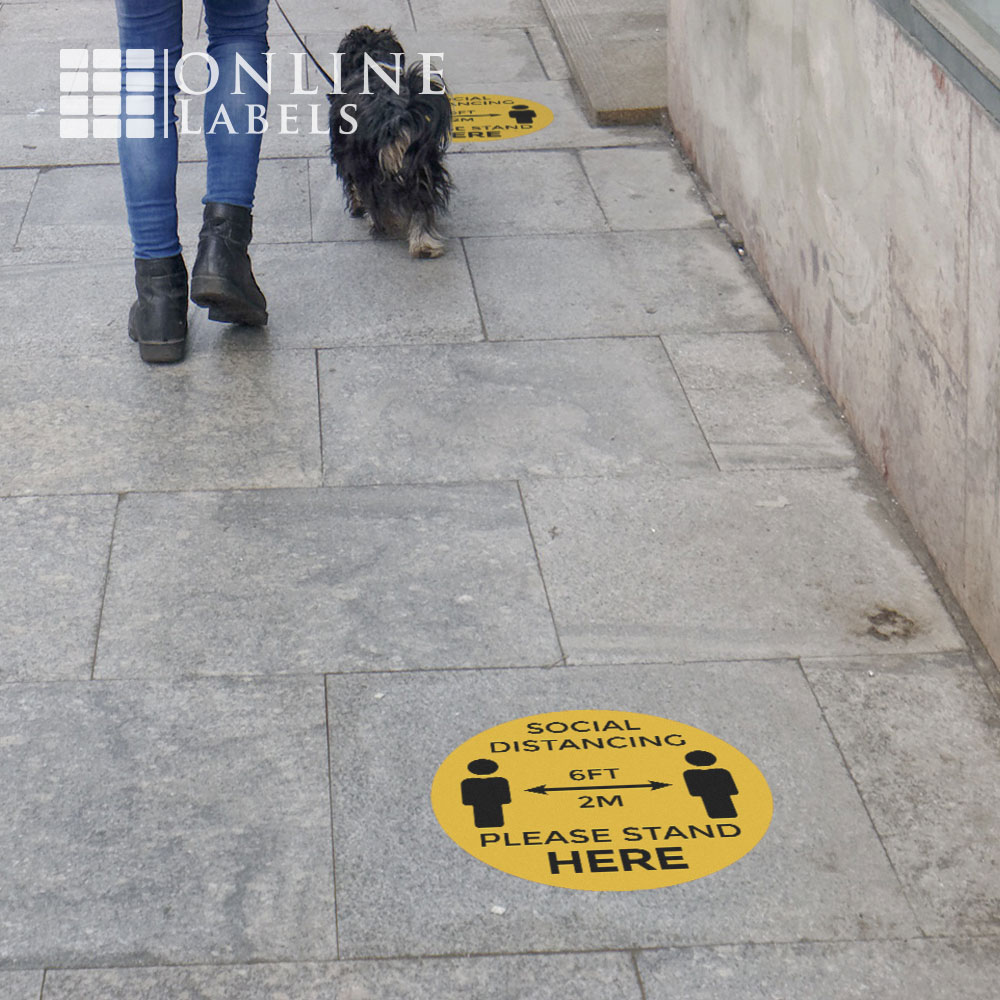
966, 50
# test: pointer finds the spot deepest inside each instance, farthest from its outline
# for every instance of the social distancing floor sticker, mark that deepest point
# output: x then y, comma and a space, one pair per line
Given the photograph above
601, 800
487, 117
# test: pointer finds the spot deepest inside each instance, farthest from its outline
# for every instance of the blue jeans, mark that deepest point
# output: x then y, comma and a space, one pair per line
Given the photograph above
149, 165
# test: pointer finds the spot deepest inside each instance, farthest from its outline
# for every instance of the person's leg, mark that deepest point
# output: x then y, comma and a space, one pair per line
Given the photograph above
149, 164
235, 28
222, 278
158, 318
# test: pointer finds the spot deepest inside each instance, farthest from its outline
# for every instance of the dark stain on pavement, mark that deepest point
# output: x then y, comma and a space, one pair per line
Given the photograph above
886, 624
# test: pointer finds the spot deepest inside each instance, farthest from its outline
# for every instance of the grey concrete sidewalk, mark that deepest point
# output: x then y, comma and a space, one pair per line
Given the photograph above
250, 603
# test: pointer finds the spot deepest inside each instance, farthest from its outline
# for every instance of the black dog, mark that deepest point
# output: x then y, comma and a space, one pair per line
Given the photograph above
392, 164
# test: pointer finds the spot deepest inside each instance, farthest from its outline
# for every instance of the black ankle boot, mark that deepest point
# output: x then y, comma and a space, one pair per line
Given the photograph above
158, 318
221, 277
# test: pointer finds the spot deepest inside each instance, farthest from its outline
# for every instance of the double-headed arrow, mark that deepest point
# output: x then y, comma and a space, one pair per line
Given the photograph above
544, 789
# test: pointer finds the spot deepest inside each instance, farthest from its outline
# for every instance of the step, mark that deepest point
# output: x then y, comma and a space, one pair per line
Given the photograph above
617, 53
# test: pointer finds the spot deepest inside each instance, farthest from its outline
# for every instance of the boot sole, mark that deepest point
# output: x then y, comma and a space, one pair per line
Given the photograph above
162, 353
224, 303
157, 352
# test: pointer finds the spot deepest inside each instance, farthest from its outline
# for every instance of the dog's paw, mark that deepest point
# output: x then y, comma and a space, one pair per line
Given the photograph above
424, 239
355, 203
426, 248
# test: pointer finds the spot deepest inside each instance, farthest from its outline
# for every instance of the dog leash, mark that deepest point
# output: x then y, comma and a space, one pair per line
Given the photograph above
308, 51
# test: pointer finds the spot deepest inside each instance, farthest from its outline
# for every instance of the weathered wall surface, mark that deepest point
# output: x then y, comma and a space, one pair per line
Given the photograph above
867, 188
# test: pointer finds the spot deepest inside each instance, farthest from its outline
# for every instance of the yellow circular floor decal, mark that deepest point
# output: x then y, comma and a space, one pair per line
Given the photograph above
601, 800
485, 117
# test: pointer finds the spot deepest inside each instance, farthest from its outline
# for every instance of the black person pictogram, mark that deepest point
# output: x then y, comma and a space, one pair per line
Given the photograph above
522, 114
715, 787
487, 796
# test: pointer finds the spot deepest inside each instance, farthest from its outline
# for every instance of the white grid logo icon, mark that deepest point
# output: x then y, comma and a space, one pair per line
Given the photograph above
90, 102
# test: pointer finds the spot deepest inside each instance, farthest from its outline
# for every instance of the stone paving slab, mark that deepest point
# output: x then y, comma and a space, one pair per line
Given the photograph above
108, 423
80, 23
472, 14
502, 411
889, 970
548, 51
31, 73
20, 985
151, 823
472, 59
759, 401
81, 210
404, 888
728, 566
74, 23
569, 129
56, 549
338, 16
645, 189
499, 195
367, 293
522, 192
88, 313
919, 736
26, 91
542, 977
683, 281
312, 581
30, 140
15, 191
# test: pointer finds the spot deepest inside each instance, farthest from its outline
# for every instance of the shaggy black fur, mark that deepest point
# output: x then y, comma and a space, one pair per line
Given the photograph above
392, 165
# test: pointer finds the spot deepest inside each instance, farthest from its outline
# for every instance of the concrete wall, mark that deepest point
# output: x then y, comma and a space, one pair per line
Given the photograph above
867, 188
